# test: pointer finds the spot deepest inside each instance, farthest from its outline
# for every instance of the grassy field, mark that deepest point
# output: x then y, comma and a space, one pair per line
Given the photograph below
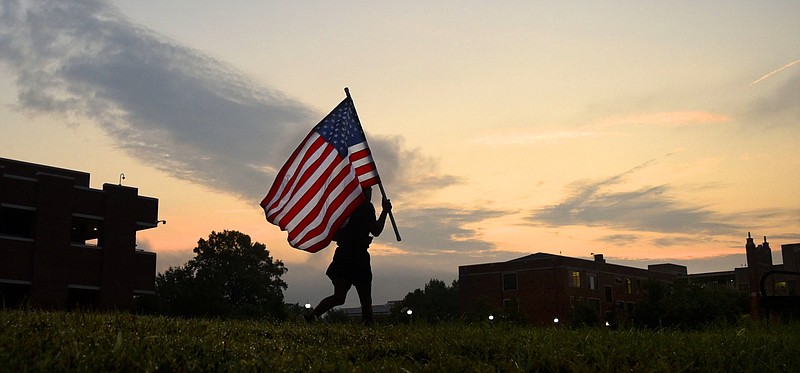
59, 341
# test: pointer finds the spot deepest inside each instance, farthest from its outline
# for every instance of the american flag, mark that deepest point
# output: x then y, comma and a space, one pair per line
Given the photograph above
321, 183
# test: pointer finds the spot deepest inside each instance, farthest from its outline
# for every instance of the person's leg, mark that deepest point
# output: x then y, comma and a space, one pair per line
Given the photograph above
340, 289
365, 297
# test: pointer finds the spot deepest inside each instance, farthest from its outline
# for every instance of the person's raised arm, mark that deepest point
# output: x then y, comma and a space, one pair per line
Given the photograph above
386, 206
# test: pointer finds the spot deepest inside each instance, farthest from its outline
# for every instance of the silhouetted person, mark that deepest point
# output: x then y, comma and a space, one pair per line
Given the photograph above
351, 264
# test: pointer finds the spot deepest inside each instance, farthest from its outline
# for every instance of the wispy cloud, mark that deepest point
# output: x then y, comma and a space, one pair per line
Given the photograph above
778, 107
600, 127
668, 118
527, 137
784, 67
445, 230
168, 105
649, 209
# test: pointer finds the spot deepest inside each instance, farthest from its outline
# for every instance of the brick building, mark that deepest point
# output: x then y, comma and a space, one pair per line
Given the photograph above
65, 245
779, 280
543, 287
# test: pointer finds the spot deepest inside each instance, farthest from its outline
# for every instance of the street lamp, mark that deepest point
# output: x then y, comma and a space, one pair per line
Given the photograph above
408, 312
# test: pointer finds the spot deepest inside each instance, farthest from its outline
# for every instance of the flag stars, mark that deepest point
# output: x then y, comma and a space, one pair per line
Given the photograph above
341, 128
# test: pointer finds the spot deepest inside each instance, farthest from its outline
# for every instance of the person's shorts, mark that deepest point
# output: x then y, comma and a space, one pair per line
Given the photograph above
354, 272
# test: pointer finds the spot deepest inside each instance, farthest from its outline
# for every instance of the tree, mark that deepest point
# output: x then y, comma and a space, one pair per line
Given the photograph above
437, 302
689, 305
230, 276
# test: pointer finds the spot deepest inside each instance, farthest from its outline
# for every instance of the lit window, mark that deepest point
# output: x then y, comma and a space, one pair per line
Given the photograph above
575, 279
629, 286
87, 230
510, 281
781, 288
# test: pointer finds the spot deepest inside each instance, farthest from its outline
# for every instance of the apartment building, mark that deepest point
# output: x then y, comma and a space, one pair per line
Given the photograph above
64, 244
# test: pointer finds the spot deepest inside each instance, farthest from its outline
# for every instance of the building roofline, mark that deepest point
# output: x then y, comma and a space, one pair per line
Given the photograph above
562, 262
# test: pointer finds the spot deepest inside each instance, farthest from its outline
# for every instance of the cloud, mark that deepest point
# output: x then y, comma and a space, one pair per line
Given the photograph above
167, 105
779, 106
668, 118
649, 209
621, 239
407, 171
525, 137
784, 67
445, 230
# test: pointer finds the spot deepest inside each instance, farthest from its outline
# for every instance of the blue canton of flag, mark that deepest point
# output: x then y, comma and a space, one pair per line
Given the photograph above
341, 128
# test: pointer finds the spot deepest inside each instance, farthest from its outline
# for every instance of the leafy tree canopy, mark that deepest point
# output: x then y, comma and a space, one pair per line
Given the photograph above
436, 302
230, 276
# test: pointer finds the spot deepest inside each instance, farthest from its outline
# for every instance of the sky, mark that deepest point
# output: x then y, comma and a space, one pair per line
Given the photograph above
650, 131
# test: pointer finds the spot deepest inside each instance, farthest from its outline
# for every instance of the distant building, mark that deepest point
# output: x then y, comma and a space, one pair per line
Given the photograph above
544, 287
777, 278
378, 310
65, 245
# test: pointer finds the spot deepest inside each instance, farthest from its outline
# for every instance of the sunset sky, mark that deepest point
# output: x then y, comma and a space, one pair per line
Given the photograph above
647, 131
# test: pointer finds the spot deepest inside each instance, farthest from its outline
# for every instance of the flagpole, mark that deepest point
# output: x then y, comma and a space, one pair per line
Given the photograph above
380, 184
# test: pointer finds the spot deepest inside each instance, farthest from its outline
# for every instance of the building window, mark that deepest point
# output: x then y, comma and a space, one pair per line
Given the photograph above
87, 230
609, 294
510, 281
781, 288
14, 293
629, 286
592, 281
574, 279
17, 221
